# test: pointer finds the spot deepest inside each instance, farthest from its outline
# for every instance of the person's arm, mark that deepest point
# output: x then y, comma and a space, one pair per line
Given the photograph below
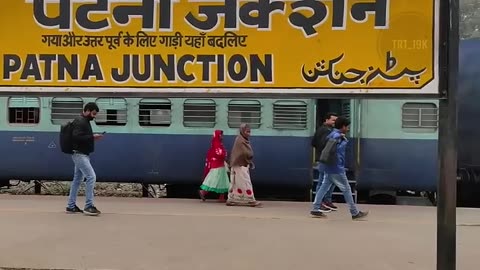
220, 153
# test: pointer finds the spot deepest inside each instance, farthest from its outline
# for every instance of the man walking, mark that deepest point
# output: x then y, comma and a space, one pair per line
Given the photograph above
318, 142
83, 144
335, 173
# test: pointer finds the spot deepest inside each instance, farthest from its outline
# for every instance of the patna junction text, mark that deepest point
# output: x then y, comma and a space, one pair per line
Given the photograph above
144, 68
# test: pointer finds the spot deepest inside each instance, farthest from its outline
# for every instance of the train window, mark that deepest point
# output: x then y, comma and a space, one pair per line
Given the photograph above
155, 112
24, 110
113, 112
65, 109
244, 111
199, 113
346, 109
290, 115
420, 116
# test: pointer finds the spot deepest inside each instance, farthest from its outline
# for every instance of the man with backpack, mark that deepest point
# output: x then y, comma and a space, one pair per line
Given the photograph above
318, 142
334, 156
78, 139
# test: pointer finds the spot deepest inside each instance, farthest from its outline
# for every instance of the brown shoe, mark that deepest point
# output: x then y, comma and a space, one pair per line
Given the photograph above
202, 194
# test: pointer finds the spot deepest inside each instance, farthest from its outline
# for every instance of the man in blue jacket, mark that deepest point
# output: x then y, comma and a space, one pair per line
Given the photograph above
335, 174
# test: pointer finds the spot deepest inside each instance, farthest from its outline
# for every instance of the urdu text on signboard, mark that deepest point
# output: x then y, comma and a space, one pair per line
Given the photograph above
231, 46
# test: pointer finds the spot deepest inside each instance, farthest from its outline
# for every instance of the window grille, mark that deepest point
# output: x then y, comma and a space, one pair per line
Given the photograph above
65, 109
199, 113
244, 111
289, 115
155, 112
113, 112
24, 110
420, 116
346, 112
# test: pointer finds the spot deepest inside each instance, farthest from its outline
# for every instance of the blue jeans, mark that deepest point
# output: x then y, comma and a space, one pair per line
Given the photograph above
83, 170
341, 181
321, 181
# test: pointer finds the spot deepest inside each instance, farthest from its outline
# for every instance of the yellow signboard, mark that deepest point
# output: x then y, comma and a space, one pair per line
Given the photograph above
331, 46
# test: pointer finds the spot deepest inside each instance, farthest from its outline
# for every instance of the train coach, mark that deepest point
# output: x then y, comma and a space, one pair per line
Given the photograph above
164, 141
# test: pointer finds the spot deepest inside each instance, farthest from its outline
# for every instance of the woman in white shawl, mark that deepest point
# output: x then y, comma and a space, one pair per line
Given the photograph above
241, 160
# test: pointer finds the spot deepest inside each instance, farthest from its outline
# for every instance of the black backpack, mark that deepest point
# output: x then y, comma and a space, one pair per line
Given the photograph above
319, 143
66, 138
329, 152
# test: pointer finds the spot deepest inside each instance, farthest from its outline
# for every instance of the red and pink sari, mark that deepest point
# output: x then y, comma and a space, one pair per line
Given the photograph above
215, 177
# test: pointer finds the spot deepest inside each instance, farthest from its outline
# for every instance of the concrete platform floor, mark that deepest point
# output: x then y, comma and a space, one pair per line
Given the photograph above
188, 234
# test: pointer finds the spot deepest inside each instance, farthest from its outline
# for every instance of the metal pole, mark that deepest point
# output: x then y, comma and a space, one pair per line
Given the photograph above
447, 141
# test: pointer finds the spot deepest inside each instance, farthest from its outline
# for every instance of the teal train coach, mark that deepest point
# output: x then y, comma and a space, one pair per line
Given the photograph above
164, 140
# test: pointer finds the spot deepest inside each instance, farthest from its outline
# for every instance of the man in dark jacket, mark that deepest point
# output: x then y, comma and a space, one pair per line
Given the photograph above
83, 144
318, 142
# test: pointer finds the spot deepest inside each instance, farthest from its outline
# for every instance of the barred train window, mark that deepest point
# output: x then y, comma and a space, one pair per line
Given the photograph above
420, 116
346, 112
155, 112
113, 112
199, 113
244, 111
289, 115
65, 109
24, 110
346, 109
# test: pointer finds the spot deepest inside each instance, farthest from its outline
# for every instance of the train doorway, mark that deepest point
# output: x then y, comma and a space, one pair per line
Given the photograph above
339, 106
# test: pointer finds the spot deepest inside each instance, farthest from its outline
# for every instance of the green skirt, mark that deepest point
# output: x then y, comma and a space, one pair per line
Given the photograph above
216, 181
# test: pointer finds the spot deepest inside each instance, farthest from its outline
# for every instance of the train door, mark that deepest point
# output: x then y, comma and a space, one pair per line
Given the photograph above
343, 107
339, 106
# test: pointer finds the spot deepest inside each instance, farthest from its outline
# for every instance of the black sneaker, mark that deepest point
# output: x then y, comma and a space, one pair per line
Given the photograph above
73, 210
330, 206
91, 211
318, 214
324, 209
360, 215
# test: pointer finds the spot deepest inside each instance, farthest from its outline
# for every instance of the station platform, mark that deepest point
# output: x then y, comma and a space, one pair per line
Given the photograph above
145, 233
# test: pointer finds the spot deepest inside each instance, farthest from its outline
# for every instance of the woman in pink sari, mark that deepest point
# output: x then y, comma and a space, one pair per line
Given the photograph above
215, 172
